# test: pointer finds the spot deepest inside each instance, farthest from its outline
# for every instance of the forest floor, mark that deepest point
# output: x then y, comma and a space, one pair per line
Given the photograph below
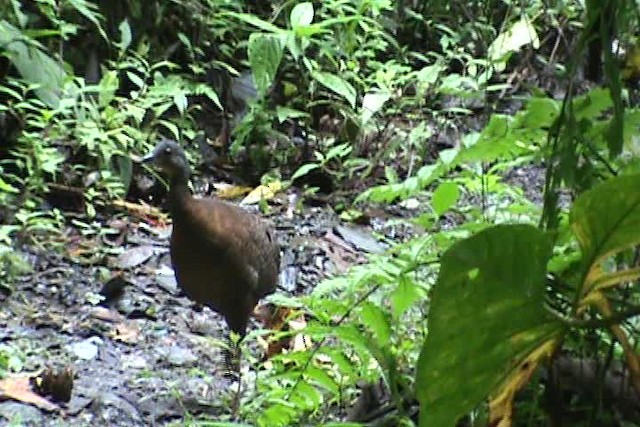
108, 308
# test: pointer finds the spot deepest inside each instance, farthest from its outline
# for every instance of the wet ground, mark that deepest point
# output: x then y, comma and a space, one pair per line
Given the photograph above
107, 308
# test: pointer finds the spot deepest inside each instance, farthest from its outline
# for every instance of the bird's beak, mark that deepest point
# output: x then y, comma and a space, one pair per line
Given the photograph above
148, 158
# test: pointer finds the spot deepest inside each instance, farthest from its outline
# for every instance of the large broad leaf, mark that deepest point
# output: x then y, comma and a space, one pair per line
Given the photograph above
606, 220
486, 317
265, 54
33, 64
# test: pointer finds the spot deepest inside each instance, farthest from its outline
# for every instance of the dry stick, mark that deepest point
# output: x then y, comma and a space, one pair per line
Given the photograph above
319, 344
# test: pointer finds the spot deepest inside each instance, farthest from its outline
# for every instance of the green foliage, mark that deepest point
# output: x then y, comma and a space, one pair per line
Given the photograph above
486, 312
470, 303
11, 360
12, 265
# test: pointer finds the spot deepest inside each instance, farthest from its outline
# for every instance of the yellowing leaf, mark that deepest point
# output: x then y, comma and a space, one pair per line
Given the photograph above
501, 405
262, 192
228, 191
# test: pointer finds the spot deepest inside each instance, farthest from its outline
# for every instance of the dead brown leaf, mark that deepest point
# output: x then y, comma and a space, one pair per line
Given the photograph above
142, 210
127, 334
19, 388
103, 313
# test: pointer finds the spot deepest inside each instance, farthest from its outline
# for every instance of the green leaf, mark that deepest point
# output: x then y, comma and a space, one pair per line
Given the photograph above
108, 86
520, 34
301, 15
592, 104
486, 316
284, 113
445, 196
90, 11
321, 378
180, 101
303, 170
125, 35
256, 22
336, 84
606, 218
203, 89
376, 320
372, 103
33, 64
265, 54
340, 150
404, 296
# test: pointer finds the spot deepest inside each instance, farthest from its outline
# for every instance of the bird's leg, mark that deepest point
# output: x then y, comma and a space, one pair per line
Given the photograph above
233, 359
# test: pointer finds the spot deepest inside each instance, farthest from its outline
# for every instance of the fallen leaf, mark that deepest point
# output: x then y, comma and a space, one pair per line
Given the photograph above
262, 192
229, 191
142, 210
103, 313
127, 334
277, 318
19, 388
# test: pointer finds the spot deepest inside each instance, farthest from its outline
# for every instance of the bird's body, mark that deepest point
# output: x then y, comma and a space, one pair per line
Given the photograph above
223, 256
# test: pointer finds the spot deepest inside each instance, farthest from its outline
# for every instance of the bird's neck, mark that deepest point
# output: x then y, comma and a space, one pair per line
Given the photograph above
179, 194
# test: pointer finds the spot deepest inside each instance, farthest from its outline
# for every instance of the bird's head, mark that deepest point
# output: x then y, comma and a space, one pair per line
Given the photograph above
168, 156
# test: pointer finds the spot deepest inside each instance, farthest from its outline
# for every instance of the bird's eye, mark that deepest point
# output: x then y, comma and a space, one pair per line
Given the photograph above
167, 150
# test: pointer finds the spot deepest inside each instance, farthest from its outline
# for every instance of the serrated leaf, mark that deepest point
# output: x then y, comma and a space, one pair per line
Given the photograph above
376, 320
125, 35
135, 79
404, 296
444, 197
486, 316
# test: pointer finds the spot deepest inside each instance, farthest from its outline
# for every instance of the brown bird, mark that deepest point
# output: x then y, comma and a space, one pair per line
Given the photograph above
223, 256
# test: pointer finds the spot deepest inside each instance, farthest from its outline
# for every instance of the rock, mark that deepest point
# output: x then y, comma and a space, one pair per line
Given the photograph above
111, 409
135, 256
133, 361
86, 349
165, 278
178, 356
20, 414
360, 238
